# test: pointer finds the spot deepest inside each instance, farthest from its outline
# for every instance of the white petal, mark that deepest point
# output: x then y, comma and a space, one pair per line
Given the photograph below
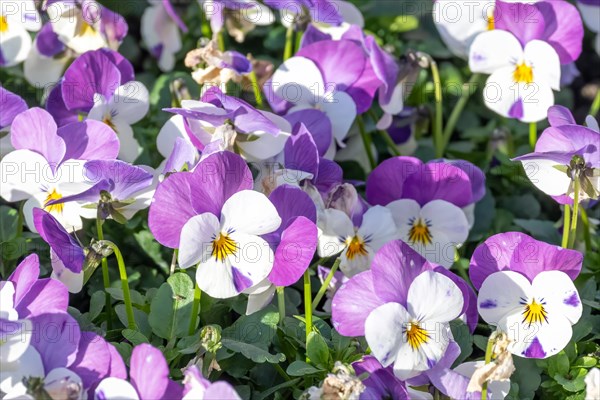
258, 301
434, 298
545, 62
116, 389
493, 50
402, 212
13, 344
73, 281
58, 381
341, 110
349, 12
501, 294
169, 133
23, 172
7, 293
250, 212
299, 81
253, 260
129, 148
130, 102
537, 99
378, 227
12, 374
448, 219
396, 103
501, 92
15, 44
544, 176
196, 239
41, 71
334, 227
559, 293
384, 331
215, 278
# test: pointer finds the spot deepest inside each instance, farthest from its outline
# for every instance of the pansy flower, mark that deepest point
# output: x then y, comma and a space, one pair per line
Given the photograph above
148, 378
526, 289
100, 85
217, 224
427, 202
49, 163
12, 105
160, 31
238, 16
564, 153
17, 18
199, 388
403, 305
313, 79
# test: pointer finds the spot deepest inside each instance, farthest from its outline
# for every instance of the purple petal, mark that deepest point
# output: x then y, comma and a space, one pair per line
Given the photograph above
524, 21
89, 140
214, 119
559, 115
44, 296
126, 179
475, 174
91, 73
329, 55
113, 26
317, 124
385, 68
313, 35
535, 350
93, 359
516, 251
117, 366
278, 104
469, 298
183, 153
123, 64
25, 276
56, 337
11, 105
35, 130
173, 14
236, 61
55, 105
563, 29
386, 182
294, 252
353, 303
329, 175
300, 151
291, 202
571, 139
516, 110
65, 247
240, 281
47, 41
149, 372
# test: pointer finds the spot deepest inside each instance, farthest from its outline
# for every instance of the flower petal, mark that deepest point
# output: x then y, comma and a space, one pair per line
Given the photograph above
501, 294
434, 298
197, 236
384, 331
250, 212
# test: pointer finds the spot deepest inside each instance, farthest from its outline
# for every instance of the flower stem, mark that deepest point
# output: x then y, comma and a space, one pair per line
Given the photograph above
256, 89
299, 36
289, 42
124, 285
458, 109
366, 139
195, 309
307, 304
488, 359
586, 230
326, 283
281, 303
221, 40
532, 134
392, 146
439, 117
105, 277
595, 105
173, 262
566, 224
20, 220
575, 216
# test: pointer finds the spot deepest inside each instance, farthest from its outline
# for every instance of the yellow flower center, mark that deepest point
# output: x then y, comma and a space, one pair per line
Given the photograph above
523, 73
53, 195
85, 29
223, 246
108, 121
356, 247
535, 312
419, 232
491, 22
3, 23
416, 335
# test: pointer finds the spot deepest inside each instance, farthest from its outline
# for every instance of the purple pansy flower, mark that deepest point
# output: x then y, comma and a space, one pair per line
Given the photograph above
149, 377
565, 152
427, 202
526, 289
11, 105
58, 156
217, 224
198, 388
160, 32
324, 11
381, 383
100, 84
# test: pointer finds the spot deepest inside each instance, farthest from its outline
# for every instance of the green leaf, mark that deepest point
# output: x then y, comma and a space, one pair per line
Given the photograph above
527, 375
558, 364
9, 217
151, 247
463, 338
571, 385
317, 349
117, 294
252, 352
277, 389
97, 303
258, 328
585, 362
540, 229
140, 317
13, 249
171, 308
135, 337
300, 368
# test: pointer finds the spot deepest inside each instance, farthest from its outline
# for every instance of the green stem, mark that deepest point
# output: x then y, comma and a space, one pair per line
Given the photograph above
586, 230
195, 309
289, 42
595, 105
326, 283
173, 262
281, 372
256, 89
575, 216
366, 139
221, 40
307, 304
532, 134
299, 36
458, 109
439, 117
20, 220
566, 223
105, 277
392, 146
281, 303
488, 359
124, 285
